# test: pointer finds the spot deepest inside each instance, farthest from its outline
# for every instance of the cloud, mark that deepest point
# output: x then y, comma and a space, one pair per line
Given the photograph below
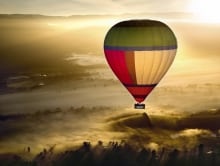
87, 59
71, 126
192, 133
68, 7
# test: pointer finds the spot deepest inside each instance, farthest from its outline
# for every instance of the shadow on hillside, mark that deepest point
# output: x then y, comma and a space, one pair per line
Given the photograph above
209, 120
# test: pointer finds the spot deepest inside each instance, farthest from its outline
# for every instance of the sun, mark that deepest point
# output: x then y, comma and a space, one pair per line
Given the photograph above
206, 10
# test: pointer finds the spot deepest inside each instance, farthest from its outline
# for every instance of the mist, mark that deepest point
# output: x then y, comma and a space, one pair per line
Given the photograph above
69, 95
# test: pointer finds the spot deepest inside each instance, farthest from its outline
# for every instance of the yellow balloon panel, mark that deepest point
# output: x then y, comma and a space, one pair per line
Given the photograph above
151, 66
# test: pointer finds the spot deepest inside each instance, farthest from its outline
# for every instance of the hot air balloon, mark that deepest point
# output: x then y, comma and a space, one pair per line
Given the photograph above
139, 53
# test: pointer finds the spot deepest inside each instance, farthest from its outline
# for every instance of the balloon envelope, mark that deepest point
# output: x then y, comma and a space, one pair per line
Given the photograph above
140, 52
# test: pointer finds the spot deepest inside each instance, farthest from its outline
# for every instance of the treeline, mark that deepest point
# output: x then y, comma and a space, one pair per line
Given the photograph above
119, 154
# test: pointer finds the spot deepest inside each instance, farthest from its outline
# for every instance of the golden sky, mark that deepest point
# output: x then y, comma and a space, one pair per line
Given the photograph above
203, 10
69, 7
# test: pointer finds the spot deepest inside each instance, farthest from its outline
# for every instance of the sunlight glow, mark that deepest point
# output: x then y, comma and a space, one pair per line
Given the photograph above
206, 10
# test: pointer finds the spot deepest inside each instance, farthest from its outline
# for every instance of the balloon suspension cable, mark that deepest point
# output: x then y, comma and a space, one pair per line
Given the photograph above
139, 106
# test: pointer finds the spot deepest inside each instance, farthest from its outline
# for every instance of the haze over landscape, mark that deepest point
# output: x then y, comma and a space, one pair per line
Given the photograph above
57, 89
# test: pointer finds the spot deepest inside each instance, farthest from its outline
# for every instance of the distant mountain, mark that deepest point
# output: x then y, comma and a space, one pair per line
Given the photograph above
92, 16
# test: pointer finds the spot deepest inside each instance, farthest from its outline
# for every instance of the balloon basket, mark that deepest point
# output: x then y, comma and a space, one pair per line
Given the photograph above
139, 106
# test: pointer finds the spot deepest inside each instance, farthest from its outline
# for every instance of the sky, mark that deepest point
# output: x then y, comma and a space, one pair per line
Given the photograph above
70, 7
202, 10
